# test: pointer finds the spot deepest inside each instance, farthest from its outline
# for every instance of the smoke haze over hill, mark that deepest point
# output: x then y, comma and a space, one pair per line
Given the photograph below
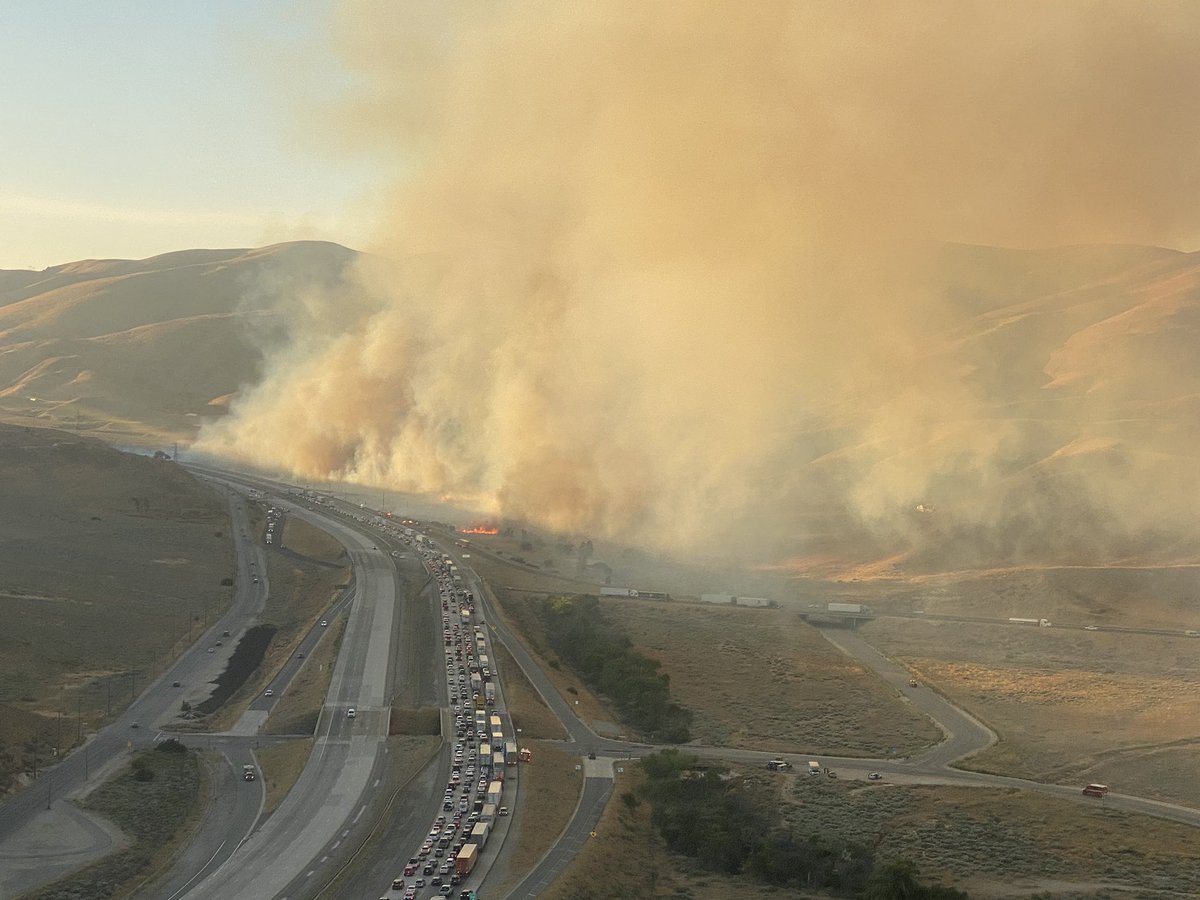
675, 271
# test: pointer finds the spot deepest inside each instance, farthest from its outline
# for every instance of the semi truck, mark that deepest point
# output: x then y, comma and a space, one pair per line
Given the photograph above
617, 592
494, 792
489, 693
467, 857
1042, 623
479, 834
852, 608
510, 753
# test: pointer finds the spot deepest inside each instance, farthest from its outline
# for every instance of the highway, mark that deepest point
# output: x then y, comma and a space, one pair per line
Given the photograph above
331, 792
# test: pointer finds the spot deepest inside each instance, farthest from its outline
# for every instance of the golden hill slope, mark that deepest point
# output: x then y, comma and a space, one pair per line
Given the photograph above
144, 349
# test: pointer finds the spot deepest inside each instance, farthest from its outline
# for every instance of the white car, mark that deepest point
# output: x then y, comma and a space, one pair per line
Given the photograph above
1091, 628
269, 693
351, 713
324, 623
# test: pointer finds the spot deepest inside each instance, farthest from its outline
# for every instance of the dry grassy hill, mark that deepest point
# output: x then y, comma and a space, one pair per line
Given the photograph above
145, 350
1075, 437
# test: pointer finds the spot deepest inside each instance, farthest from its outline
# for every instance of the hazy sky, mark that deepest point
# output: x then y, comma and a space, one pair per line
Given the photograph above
134, 128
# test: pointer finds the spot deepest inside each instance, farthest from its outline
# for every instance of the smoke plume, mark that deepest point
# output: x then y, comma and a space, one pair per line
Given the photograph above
672, 271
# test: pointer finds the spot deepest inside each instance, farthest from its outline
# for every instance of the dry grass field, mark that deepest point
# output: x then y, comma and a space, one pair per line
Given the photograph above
530, 716
280, 765
550, 789
762, 678
1001, 843
107, 559
1069, 706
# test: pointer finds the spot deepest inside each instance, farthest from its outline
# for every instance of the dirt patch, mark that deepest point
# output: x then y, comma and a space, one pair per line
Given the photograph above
424, 721
763, 678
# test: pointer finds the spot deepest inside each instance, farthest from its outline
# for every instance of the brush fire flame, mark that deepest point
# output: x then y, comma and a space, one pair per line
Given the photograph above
480, 529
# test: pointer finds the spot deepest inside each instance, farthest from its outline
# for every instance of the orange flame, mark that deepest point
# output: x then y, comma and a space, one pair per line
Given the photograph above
481, 529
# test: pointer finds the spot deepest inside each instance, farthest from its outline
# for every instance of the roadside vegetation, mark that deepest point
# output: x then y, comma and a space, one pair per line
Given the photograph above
764, 678
999, 842
731, 825
156, 803
604, 657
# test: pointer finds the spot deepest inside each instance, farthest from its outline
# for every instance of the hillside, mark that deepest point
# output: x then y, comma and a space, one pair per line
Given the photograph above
1046, 413
144, 350
1074, 436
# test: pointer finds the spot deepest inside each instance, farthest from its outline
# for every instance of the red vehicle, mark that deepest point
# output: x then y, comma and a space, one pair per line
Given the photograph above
1096, 790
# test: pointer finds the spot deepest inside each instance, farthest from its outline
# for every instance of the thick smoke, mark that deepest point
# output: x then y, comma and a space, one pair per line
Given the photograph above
668, 270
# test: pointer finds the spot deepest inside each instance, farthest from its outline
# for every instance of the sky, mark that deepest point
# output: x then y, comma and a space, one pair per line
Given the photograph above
136, 128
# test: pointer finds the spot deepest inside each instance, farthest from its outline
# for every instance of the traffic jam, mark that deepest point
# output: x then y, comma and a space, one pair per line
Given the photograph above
480, 751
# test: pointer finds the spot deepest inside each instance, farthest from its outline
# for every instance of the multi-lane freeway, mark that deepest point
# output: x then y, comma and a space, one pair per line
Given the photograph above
299, 850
